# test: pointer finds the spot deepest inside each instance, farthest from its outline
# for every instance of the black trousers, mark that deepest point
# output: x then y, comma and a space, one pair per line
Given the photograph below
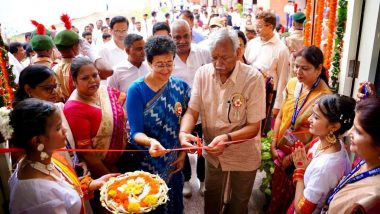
200, 162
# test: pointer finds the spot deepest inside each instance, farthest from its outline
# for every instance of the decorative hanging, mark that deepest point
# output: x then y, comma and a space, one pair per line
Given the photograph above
338, 44
331, 32
307, 27
7, 84
318, 23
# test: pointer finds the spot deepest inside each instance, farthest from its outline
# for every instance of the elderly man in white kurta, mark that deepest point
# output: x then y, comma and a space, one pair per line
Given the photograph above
269, 55
230, 98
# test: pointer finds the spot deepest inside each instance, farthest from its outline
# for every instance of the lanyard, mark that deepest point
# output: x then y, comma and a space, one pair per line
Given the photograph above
348, 179
297, 111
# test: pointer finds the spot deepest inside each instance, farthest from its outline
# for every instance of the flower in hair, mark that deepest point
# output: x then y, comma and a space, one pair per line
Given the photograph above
5, 128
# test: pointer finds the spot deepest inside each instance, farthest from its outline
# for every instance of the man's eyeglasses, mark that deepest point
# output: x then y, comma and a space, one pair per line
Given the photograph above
262, 26
161, 65
49, 88
120, 31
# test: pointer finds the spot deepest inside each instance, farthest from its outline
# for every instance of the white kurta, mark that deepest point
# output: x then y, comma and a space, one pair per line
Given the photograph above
323, 174
37, 196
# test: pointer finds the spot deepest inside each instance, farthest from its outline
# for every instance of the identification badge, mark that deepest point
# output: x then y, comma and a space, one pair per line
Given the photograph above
290, 137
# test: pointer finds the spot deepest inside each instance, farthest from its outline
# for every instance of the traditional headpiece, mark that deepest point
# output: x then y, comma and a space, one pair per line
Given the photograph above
68, 37
40, 41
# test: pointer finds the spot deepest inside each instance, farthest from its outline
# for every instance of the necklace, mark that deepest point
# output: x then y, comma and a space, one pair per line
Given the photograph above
45, 169
320, 150
49, 170
95, 101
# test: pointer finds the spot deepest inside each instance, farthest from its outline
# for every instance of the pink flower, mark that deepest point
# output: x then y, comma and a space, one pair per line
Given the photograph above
237, 103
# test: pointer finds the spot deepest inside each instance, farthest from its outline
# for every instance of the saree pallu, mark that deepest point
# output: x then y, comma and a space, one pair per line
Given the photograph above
112, 132
162, 116
282, 186
70, 176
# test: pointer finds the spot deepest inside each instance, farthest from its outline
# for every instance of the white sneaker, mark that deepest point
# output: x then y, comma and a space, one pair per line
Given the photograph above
202, 188
187, 189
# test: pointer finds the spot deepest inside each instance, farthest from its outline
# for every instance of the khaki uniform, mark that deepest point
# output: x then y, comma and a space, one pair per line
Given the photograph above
295, 43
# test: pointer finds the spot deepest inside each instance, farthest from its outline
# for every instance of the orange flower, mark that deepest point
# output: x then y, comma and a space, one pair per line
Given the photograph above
331, 29
307, 28
318, 23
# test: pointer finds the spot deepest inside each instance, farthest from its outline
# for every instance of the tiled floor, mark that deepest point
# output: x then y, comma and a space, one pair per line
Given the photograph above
194, 204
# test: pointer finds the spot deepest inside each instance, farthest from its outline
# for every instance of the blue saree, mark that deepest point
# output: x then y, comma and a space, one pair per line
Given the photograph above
162, 115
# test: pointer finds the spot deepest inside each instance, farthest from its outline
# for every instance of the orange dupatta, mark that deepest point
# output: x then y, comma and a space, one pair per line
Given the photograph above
292, 90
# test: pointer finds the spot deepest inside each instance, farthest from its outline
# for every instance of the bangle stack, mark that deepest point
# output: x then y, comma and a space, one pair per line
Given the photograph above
85, 187
298, 175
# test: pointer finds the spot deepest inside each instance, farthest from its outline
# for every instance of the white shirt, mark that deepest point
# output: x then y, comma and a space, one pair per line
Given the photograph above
146, 27
236, 19
186, 70
97, 38
17, 66
323, 174
125, 73
112, 54
36, 196
272, 58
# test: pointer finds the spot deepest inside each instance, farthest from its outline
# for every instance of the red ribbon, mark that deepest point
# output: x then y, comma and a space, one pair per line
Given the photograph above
199, 146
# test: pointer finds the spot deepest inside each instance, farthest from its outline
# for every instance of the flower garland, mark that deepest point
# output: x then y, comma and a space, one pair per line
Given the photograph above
6, 129
338, 44
330, 36
307, 27
7, 84
318, 23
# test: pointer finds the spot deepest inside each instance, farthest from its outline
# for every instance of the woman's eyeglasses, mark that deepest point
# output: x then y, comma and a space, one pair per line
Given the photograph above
161, 65
49, 88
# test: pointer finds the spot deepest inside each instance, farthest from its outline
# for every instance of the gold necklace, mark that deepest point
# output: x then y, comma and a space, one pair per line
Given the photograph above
320, 150
88, 101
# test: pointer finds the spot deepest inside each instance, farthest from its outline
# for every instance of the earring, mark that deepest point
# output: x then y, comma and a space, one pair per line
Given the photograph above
43, 154
331, 139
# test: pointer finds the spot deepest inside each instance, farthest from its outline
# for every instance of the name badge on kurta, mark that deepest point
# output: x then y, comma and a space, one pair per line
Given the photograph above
178, 111
237, 102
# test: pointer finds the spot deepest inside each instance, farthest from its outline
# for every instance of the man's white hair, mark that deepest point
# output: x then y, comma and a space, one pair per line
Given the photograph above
179, 23
222, 34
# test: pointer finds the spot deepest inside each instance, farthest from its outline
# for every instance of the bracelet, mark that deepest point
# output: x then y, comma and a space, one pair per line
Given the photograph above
85, 187
299, 170
184, 132
229, 137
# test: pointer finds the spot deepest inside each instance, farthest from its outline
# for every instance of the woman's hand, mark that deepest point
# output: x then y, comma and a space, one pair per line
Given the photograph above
178, 163
97, 183
273, 150
214, 148
300, 158
156, 149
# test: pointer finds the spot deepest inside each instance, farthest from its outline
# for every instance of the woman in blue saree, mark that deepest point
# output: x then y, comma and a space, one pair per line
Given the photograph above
155, 105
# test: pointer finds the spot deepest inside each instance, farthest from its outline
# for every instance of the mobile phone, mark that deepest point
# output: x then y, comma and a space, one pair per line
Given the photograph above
366, 91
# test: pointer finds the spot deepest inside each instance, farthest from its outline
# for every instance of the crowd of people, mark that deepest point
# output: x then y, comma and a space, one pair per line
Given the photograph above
168, 85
